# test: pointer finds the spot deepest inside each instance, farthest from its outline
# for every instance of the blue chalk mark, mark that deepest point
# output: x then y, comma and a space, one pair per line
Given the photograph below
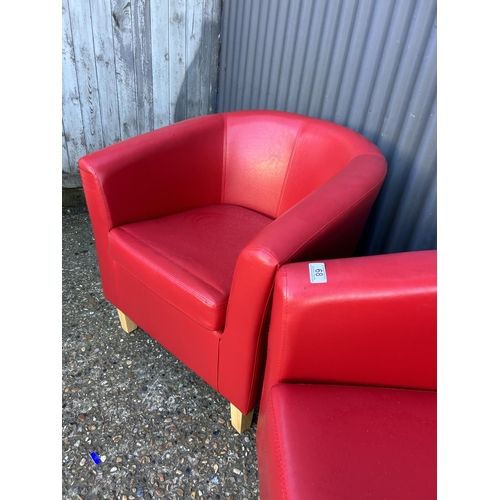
95, 457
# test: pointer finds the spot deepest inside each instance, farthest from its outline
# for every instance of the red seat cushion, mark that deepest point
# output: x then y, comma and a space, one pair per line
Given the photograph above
188, 258
341, 442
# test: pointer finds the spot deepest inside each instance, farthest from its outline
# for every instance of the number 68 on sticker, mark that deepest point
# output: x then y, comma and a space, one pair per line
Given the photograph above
317, 272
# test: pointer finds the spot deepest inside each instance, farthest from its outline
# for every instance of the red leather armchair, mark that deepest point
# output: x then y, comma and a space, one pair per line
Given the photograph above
348, 408
192, 221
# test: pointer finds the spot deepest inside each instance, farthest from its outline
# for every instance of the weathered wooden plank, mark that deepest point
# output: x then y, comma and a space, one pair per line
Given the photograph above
123, 39
160, 64
206, 46
212, 52
141, 17
83, 47
193, 77
137, 66
65, 157
74, 135
177, 60
105, 67
204, 52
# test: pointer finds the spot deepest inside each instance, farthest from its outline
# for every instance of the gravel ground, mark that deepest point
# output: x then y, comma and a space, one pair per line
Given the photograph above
158, 429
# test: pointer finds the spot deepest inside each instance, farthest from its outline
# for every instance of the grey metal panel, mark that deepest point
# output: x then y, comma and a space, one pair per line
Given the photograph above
366, 64
129, 67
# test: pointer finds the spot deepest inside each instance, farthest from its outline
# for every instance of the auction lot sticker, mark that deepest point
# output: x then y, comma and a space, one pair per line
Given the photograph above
317, 272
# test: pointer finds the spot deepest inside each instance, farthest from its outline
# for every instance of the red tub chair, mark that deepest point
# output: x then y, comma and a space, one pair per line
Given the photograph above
191, 222
348, 409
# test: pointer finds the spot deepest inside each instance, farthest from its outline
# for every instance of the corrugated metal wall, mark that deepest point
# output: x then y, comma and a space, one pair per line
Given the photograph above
367, 64
130, 67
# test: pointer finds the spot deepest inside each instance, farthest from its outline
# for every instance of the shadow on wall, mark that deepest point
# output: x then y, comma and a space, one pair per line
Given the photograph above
403, 217
198, 92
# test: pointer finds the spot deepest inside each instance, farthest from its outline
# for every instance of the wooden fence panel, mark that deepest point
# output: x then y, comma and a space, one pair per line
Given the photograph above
129, 67
161, 68
74, 144
104, 57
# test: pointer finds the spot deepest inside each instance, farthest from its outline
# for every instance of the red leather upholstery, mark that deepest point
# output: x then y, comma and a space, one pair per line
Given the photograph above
192, 221
348, 408
172, 265
348, 442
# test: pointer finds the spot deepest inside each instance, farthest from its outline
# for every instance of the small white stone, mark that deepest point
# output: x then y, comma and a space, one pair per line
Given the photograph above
103, 458
114, 469
82, 461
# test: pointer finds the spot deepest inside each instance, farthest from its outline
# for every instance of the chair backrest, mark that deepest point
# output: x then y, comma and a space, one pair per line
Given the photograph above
374, 322
266, 161
273, 159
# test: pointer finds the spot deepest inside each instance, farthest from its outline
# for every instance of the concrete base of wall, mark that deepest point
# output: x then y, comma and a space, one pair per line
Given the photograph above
73, 197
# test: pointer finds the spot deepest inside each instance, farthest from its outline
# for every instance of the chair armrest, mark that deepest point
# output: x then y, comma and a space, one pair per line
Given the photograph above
151, 175
328, 222
373, 323
168, 170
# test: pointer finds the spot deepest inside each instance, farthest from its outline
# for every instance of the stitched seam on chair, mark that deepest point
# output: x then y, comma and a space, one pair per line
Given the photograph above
217, 365
289, 166
217, 357
224, 160
268, 252
285, 324
334, 219
217, 361
175, 280
278, 446
366, 154
254, 374
101, 190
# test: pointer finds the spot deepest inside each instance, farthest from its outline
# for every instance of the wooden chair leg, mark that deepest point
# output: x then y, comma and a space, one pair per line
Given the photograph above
239, 421
127, 324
